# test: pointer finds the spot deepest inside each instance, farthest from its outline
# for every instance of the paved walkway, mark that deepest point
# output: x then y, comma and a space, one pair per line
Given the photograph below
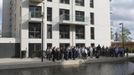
13, 63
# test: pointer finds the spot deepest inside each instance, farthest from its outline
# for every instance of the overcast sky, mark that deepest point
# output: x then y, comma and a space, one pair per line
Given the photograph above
122, 12
0, 13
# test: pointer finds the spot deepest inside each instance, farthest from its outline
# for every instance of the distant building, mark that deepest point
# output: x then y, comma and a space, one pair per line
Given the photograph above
65, 23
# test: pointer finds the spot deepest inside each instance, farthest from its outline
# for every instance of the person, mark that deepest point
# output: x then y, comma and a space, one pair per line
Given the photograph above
98, 49
66, 52
49, 53
116, 51
91, 52
53, 54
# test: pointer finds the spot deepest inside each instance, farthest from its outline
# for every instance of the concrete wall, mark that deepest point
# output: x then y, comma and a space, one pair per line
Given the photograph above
9, 48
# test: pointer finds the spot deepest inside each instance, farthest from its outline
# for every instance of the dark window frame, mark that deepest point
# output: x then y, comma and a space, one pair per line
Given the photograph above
91, 3
49, 31
80, 2
64, 31
34, 30
49, 13
35, 11
65, 1
92, 33
80, 16
80, 32
65, 14
92, 18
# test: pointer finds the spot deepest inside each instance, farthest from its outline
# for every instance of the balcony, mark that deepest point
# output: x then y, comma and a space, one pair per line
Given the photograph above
36, 1
35, 16
79, 20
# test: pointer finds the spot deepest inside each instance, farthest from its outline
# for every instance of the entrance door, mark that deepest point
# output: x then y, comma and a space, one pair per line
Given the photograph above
80, 45
34, 50
64, 45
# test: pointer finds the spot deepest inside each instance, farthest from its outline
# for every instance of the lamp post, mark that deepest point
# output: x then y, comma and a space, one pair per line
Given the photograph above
42, 30
122, 27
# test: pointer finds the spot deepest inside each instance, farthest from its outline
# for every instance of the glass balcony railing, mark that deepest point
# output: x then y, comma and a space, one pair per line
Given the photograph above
65, 17
38, 1
80, 18
35, 14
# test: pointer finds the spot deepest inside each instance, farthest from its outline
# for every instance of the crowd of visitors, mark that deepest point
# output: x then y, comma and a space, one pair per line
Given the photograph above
83, 52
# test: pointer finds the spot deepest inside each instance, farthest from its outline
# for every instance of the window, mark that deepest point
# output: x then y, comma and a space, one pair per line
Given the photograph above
64, 13
92, 32
49, 31
80, 32
80, 16
49, 14
35, 11
92, 18
92, 3
65, 1
49, 0
79, 2
64, 31
34, 30
34, 50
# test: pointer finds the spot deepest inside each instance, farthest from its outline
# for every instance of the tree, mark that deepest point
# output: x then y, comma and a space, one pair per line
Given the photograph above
126, 35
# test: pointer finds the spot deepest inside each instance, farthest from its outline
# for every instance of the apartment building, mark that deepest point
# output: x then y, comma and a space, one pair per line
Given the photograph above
61, 23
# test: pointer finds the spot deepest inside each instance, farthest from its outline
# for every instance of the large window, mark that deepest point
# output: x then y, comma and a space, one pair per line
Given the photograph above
80, 16
92, 3
92, 18
35, 11
80, 32
34, 30
49, 31
49, 14
79, 2
92, 32
64, 13
64, 31
34, 50
65, 1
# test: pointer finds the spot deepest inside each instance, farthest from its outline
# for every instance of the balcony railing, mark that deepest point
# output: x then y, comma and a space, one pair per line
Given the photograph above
35, 14
65, 17
37, 1
78, 20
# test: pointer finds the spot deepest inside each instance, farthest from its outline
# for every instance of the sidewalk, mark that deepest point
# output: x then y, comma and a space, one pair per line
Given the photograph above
13, 63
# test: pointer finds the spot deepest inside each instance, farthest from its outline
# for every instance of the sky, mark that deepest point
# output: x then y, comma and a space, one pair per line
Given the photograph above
122, 12
1, 13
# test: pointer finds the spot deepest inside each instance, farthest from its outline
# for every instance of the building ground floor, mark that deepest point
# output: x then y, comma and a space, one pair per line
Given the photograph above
60, 35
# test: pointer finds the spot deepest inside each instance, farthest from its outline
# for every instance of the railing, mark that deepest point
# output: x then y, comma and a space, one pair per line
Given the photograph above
35, 14
65, 17
38, 1
78, 19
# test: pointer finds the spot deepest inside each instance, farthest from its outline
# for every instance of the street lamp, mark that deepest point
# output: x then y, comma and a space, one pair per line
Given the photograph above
122, 26
42, 30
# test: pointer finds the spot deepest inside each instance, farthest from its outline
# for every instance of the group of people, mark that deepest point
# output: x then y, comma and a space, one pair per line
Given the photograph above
82, 52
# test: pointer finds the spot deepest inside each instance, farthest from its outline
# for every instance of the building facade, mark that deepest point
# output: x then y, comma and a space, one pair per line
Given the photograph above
59, 23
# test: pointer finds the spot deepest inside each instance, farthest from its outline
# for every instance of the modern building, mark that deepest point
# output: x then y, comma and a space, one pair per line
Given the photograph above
59, 23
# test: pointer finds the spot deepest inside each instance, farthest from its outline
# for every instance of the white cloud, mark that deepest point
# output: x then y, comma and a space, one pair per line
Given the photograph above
123, 11
1, 2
